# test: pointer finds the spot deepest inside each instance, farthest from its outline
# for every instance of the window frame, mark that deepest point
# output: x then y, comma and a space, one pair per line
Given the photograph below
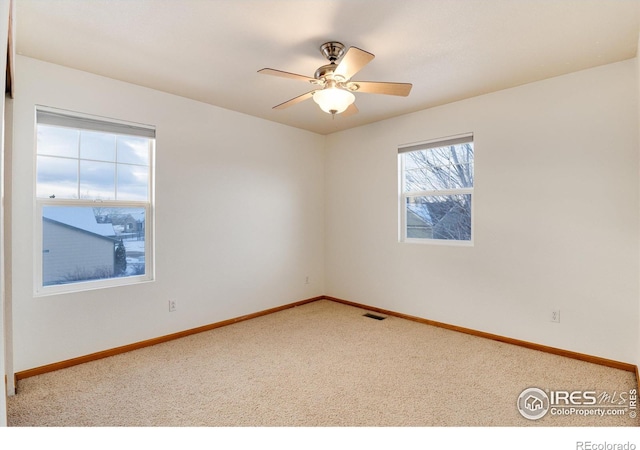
404, 196
41, 290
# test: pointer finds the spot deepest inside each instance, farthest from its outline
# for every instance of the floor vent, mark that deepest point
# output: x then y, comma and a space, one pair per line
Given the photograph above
374, 316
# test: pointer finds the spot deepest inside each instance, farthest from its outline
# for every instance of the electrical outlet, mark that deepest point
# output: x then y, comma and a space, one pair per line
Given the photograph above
555, 316
172, 305
306, 280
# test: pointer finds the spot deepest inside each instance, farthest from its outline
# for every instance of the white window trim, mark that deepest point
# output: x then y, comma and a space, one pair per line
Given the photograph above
403, 196
39, 289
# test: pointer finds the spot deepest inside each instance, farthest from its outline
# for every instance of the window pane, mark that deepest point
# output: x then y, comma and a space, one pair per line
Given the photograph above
445, 217
57, 177
439, 168
97, 180
83, 243
462, 176
415, 179
98, 146
56, 141
438, 178
133, 182
462, 165
133, 150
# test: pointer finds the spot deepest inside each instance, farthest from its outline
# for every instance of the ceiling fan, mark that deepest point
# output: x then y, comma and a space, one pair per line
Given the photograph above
334, 87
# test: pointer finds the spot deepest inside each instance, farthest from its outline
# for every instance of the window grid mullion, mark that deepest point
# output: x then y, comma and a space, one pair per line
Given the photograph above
79, 163
441, 192
115, 175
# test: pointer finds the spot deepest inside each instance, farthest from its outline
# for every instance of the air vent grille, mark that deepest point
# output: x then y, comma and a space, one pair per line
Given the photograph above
374, 316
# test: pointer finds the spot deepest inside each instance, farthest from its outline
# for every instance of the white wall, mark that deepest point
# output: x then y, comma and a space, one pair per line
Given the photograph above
556, 215
239, 218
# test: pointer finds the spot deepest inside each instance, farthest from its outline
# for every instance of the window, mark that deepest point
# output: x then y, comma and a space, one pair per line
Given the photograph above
436, 190
94, 201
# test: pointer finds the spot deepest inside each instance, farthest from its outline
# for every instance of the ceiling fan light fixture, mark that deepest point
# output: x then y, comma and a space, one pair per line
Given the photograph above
333, 100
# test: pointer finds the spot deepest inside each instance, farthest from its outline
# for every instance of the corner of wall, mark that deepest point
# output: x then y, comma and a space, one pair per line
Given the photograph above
638, 118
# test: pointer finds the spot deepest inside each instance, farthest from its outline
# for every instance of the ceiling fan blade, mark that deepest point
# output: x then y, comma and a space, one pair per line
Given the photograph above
351, 63
280, 73
293, 101
377, 87
351, 109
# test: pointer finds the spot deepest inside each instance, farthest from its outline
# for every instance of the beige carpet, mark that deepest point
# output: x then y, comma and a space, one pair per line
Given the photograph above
321, 364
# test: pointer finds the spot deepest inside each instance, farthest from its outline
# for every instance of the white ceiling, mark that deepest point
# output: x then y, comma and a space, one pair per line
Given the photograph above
211, 50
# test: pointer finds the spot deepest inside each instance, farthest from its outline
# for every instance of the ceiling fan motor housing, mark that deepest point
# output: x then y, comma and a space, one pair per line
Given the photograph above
333, 51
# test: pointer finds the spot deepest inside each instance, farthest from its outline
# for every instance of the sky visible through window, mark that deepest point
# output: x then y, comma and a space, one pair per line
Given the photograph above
80, 164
